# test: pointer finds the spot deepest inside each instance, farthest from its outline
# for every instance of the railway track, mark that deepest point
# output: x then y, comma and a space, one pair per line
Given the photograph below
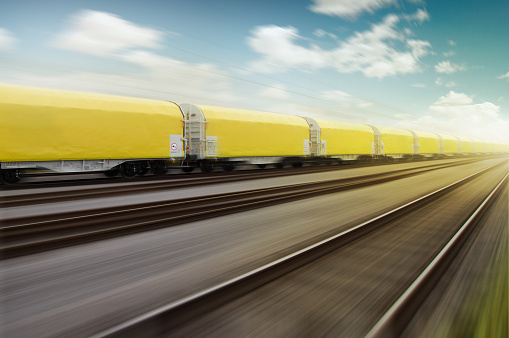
187, 315
184, 181
396, 318
28, 235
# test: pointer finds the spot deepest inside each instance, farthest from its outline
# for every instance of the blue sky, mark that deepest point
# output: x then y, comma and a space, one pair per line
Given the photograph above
438, 66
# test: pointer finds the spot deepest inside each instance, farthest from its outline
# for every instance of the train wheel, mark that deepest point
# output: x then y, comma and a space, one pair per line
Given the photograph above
206, 166
159, 168
279, 165
111, 172
128, 170
262, 166
229, 167
297, 164
10, 176
141, 170
187, 168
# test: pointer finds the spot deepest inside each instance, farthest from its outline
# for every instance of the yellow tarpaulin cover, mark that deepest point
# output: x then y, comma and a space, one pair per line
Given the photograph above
46, 125
244, 133
478, 145
346, 138
450, 144
429, 143
498, 147
396, 141
466, 145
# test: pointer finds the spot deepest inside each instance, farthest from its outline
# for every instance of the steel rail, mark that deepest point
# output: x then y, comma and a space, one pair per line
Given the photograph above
69, 216
189, 307
26, 238
137, 186
393, 322
184, 182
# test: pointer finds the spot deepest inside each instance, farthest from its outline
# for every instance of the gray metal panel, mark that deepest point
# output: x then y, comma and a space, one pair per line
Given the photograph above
66, 166
377, 148
441, 145
460, 147
195, 137
416, 148
314, 136
180, 149
176, 145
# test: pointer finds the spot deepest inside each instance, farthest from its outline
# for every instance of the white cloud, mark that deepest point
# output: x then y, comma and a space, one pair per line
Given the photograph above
6, 39
454, 99
321, 33
371, 52
348, 8
336, 95
457, 114
103, 34
504, 76
420, 16
451, 84
203, 80
418, 85
344, 100
448, 67
451, 43
449, 53
277, 44
157, 77
275, 92
438, 81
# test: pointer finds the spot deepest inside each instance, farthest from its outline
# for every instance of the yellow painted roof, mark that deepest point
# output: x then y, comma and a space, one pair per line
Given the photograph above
394, 131
426, 134
84, 101
448, 137
211, 112
343, 125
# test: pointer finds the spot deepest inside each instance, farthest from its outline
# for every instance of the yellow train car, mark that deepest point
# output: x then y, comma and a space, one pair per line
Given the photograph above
449, 144
396, 142
76, 132
478, 146
466, 145
46, 125
68, 131
345, 138
215, 132
499, 147
429, 143
489, 147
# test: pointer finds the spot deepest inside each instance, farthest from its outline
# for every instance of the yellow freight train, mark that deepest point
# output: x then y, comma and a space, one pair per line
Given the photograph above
77, 132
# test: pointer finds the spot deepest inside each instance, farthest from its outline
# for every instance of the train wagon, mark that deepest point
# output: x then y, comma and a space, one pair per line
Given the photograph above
499, 147
496, 147
74, 132
78, 132
426, 144
396, 142
465, 145
345, 140
489, 147
225, 136
478, 146
449, 145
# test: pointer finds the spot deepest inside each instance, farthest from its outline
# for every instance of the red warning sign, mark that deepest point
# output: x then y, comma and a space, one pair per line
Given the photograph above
174, 146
